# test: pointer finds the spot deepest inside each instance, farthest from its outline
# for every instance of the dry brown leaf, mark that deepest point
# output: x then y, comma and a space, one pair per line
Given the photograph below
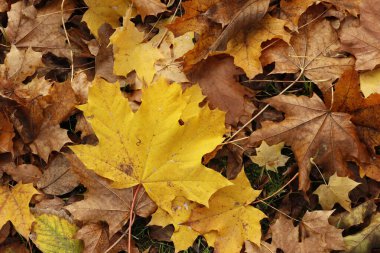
149, 7
363, 41
217, 77
40, 29
6, 133
51, 138
365, 114
103, 203
313, 50
25, 173
59, 177
313, 132
95, 238
314, 234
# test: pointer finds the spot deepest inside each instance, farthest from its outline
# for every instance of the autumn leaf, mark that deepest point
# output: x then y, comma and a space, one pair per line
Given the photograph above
165, 158
269, 157
131, 53
362, 41
14, 207
230, 216
313, 132
103, 203
29, 27
312, 51
313, 234
365, 240
336, 192
6, 134
53, 234
223, 91
246, 48
370, 82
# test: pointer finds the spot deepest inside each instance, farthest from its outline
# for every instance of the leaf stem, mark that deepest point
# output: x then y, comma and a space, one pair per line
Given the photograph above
131, 217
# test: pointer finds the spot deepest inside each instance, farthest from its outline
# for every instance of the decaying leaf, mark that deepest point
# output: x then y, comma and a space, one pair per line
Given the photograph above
165, 157
313, 132
336, 192
365, 240
14, 207
53, 234
363, 41
230, 219
370, 82
269, 157
313, 234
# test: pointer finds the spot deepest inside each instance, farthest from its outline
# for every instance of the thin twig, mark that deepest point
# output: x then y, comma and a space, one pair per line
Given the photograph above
278, 210
131, 217
312, 162
68, 41
278, 191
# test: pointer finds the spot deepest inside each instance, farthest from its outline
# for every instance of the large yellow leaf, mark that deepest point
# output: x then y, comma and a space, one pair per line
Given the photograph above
55, 235
132, 54
14, 207
160, 146
230, 220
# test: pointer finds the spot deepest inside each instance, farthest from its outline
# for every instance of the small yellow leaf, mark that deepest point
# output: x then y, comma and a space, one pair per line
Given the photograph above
270, 157
131, 53
14, 207
55, 235
160, 146
336, 192
100, 12
370, 82
230, 216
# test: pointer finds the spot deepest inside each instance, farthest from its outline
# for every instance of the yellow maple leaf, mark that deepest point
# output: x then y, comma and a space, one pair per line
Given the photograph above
160, 146
230, 220
246, 48
370, 82
14, 207
270, 157
336, 192
100, 12
53, 234
131, 53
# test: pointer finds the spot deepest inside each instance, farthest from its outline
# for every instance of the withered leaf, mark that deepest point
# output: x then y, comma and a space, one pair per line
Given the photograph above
313, 132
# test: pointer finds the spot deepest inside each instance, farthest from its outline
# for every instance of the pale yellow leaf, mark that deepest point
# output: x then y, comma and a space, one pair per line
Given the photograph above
370, 82
270, 157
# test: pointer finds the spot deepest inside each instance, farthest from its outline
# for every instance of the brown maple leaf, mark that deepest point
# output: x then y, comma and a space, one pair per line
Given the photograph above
315, 132
314, 234
363, 41
217, 77
39, 28
312, 51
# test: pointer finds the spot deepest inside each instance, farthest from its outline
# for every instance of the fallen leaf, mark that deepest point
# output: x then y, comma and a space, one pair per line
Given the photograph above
100, 12
95, 238
355, 217
217, 77
14, 248
166, 157
25, 173
230, 216
362, 41
49, 139
59, 177
313, 50
14, 206
336, 192
313, 234
246, 48
365, 240
53, 234
19, 64
370, 82
103, 203
269, 157
30, 27
264, 247
313, 132
131, 53
149, 7
6, 134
